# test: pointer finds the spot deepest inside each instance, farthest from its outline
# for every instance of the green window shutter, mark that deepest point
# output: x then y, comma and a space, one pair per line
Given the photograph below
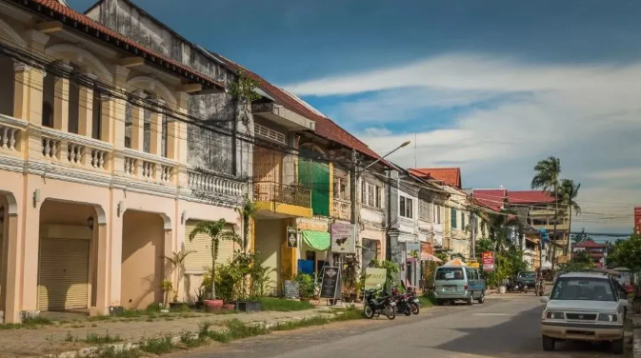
315, 176
453, 211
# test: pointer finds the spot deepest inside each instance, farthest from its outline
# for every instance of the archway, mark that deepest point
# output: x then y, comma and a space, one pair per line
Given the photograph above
67, 257
143, 247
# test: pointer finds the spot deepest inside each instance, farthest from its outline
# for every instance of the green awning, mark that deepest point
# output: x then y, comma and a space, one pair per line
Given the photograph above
318, 240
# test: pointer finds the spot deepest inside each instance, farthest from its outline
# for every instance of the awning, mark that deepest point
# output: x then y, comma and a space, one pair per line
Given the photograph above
317, 240
426, 256
455, 263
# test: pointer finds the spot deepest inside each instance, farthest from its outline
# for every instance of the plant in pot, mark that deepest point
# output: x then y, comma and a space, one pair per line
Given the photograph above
246, 300
177, 261
200, 297
217, 233
167, 288
306, 286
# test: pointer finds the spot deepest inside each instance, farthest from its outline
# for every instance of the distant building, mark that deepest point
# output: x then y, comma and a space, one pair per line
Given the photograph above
596, 251
637, 220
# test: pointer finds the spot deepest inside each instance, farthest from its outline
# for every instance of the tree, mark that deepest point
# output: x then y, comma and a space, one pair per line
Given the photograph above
177, 260
582, 237
546, 177
217, 233
627, 253
498, 224
247, 212
568, 192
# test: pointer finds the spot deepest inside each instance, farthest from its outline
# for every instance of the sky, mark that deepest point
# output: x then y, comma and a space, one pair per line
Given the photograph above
490, 86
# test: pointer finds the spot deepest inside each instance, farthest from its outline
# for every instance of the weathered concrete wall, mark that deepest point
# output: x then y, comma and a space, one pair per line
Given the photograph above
207, 150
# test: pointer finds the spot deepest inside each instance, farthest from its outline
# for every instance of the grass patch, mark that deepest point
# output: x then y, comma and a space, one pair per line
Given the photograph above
102, 339
111, 352
28, 323
158, 345
188, 339
284, 305
427, 300
345, 314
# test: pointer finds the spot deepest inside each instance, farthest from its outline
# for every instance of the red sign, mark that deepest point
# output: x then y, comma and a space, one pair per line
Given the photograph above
637, 220
488, 260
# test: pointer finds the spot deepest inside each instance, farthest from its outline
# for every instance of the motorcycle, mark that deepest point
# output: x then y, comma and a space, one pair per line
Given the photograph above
374, 306
402, 302
516, 285
413, 301
539, 287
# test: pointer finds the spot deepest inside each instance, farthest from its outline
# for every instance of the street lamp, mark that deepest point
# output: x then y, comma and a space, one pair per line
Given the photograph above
405, 144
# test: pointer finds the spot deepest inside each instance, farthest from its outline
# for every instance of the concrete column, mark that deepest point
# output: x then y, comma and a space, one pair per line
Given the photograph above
179, 142
155, 143
85, 112
31, 246
115, 124
138, 126
102, 271
11, 266
115, 257
61, 102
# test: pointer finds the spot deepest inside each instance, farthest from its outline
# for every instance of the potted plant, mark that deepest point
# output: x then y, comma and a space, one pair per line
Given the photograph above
167, 287
217, 233
306, 286
177, 261
200, 297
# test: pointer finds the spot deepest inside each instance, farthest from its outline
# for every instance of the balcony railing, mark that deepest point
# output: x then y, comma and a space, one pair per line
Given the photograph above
75, 150
209, 184
286, 194
342, 209
11, 135
148, 167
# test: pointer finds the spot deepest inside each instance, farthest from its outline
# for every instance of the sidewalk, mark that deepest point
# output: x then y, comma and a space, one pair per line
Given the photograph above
55, 339
636, 344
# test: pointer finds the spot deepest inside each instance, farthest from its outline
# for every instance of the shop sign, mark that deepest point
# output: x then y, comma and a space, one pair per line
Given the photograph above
343, 238
374, 277
330, 286
488, 260
292, 237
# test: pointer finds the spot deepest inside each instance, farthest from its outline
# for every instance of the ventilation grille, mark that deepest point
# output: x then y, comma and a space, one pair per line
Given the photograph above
268, 133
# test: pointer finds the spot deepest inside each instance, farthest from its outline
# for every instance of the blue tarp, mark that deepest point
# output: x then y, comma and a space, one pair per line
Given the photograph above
306, 266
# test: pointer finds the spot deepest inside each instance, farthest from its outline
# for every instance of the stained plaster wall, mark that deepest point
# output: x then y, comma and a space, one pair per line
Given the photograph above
208, 150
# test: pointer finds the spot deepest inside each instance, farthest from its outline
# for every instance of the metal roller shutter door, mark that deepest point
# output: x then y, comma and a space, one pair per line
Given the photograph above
200, 259
63, 281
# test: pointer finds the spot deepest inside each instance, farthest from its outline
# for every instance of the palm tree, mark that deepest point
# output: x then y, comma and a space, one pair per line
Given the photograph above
177, 260
217, 233
498, 223
247, 212
568, 192
546, 177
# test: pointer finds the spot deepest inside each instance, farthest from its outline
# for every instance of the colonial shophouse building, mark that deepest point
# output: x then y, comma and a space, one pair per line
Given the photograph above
104, 164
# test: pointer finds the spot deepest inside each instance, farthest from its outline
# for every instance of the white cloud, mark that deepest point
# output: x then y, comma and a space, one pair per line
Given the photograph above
587, 115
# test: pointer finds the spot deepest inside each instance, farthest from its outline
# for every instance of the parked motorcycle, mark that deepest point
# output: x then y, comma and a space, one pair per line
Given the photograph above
413, 301
402, 302
374, 306
539, 287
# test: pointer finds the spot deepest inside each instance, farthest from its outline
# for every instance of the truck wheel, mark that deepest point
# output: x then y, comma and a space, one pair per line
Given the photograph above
481, 299
469, 301
548, 343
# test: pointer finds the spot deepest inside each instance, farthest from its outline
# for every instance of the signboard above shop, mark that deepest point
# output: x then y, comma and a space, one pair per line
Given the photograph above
488, 260
343, 241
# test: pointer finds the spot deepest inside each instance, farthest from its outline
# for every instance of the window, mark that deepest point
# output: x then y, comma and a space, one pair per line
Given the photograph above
48, 91
406, 207
74, 106
7, 84
449, 273
585, 289
268, 133
483, 228
425, 210
340, 188
453, 214
372, 195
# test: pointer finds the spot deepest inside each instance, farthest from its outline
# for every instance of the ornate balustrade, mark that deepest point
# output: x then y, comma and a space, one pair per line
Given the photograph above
208, 184
75, 150
286, 194
342, 209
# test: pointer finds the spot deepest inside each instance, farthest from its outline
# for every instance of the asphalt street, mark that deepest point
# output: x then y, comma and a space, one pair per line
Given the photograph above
502, 327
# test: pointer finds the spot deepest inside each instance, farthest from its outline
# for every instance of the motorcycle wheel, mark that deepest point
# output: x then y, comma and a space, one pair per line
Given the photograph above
406, 311
390, 312
368, 312
414, 308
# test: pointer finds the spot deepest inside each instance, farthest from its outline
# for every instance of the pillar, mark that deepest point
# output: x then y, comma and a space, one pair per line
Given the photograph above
31, 246
102, 270
115, 256
11, 263
61, 101
138, 126
288, 257
85, 112
156, 130
178, 144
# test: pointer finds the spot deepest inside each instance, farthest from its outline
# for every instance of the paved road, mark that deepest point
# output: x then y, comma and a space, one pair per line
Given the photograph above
499, 328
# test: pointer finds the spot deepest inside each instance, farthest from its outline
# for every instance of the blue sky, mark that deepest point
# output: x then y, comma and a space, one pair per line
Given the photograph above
488, 85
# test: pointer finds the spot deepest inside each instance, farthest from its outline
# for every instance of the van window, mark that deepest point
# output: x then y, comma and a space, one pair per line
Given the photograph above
449, 273
472, 274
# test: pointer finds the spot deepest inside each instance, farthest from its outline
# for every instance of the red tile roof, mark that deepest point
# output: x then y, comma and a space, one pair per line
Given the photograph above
590, 244
449, 176
529, 197
325, 127
162, 61
491, 198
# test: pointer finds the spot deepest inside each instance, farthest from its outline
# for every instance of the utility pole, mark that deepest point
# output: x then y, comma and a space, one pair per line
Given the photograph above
556, 220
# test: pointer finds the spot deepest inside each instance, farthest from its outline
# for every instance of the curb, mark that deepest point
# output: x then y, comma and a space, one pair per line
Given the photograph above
175, 339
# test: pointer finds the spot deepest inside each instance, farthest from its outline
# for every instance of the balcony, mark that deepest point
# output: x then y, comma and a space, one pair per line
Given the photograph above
342, 209
212, 186
280, 200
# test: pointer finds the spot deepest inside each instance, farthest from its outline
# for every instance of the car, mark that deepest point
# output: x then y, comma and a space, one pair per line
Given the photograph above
584, 306
527, 278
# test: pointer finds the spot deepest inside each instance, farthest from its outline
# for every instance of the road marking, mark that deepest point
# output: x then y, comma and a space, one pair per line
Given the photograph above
492, 314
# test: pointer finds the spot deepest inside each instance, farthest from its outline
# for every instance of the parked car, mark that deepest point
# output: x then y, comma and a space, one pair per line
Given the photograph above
458, 283
527, 278
584, 306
